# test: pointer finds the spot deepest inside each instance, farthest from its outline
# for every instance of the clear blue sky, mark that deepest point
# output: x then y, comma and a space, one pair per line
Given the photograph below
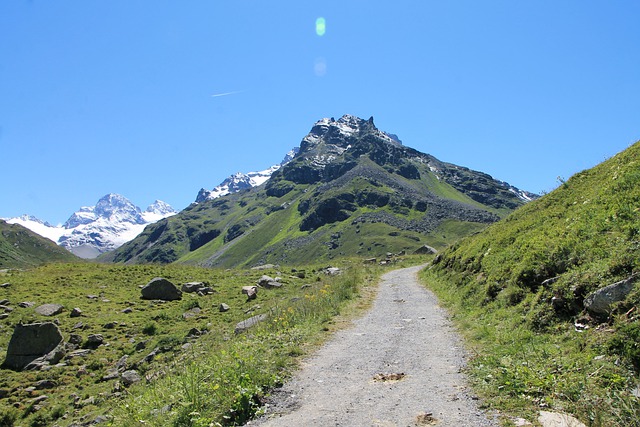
117, 96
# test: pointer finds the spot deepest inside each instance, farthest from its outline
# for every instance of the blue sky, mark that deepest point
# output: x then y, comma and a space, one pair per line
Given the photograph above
117, 96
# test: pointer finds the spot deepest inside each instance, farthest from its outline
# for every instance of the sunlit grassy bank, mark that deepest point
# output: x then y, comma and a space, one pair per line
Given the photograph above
517, 291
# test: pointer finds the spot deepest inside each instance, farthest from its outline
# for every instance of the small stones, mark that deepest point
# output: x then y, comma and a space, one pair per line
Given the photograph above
224, 308
75, 312
26, 304
426, 419
386, 377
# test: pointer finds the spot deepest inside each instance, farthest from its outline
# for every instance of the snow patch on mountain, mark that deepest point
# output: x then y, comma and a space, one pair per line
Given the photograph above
242, 181
93, 230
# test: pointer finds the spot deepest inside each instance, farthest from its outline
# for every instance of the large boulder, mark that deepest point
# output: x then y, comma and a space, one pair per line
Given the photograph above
162, 289
600, 302
30, 342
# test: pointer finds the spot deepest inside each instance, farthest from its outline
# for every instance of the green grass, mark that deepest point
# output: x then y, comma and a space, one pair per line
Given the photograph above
22, 248
529, 355
219, 377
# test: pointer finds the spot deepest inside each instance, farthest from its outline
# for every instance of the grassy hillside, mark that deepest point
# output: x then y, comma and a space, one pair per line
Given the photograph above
22, 248
518, 289
195, 370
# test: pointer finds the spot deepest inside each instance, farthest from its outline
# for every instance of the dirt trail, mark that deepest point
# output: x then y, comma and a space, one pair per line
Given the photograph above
399, 365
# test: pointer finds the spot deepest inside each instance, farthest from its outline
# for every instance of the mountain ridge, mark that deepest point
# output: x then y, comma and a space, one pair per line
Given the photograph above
93, 230
347, 176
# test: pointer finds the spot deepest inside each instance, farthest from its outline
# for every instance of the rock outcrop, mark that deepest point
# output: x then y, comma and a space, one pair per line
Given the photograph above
161, 289
31, 342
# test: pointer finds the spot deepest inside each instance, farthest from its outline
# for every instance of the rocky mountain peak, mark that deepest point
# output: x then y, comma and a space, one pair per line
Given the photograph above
160, 208
114, 206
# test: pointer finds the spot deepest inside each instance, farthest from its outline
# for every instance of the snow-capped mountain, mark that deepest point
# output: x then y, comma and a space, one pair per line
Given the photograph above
241, 181
93, 230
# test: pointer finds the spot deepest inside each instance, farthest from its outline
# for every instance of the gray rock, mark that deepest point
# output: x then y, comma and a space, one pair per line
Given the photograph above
265, 267
75, 339
26, 304
127, 310
162, 289
30, 342
5, 285
425, 250
49, 309
250, 291
78, 353
130, 377
45, 384
193, 287
224, 308
111, 374
555, 419
94, 340
76, 312
4, 316
332, 271
269, 282
4, 302
250, 322
191, 313
600, 301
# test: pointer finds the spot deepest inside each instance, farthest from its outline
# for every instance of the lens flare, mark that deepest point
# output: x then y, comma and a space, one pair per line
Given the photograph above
321, 26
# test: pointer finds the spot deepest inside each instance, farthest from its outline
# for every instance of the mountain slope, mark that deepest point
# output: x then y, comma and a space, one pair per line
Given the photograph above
526, 288
350, 190
93, 230
22, 248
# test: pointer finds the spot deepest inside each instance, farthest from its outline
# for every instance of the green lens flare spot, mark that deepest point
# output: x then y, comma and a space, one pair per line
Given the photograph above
321, 26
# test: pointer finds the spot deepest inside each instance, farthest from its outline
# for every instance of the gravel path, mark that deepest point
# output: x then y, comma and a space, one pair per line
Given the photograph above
399, 365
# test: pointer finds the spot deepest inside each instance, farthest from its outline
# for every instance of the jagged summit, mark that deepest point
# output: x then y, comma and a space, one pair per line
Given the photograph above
92, 230
241, 181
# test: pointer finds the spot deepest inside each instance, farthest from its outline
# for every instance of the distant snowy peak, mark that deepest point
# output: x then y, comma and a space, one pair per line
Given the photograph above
157, 211
30, 218
93, 230
160, 208
242, 181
